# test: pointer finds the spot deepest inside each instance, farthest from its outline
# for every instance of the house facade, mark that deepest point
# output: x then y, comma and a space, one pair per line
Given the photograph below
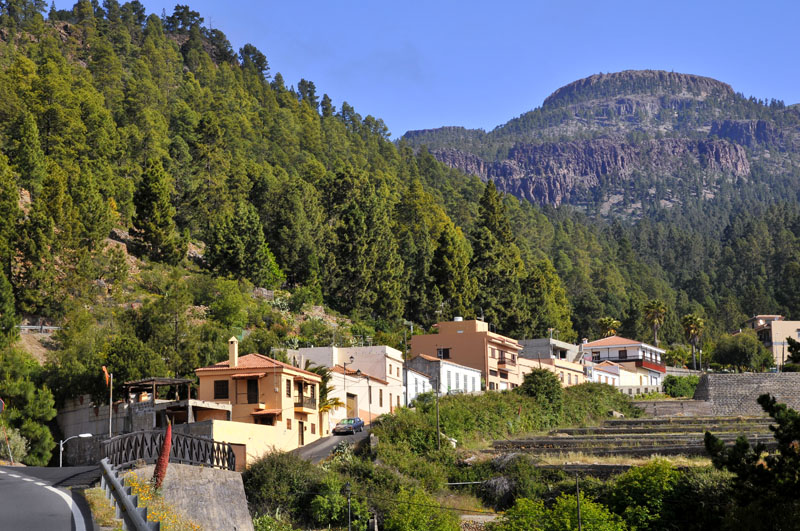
273, 405
640, 364
416, 384
772, 331
471, 344
448, 376
606, 372
381, 370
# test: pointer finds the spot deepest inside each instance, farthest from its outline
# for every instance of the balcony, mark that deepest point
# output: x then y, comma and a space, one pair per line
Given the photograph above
505, 362
305, 404
652, 365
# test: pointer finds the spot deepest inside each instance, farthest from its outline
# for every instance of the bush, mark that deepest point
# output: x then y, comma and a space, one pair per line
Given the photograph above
641, 493
268, 523
681, 386
18, 444
702, 499
532, 515
589, 403
302, 296
414, 510
545, 387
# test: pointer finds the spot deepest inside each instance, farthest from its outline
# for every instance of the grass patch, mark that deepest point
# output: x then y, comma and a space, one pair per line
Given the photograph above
102, 511
579, 458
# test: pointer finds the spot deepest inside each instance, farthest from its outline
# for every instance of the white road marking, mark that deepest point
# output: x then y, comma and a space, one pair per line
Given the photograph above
80, 525
40, 483
27, 479
3, 472
13, 475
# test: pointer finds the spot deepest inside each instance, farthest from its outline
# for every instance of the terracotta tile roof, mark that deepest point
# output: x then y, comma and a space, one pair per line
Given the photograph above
429, 358
254, 361
612, 341
249, 375
258, 412
350, 372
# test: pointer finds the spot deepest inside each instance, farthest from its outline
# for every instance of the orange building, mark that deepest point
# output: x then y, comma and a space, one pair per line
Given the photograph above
470, 343
275, 396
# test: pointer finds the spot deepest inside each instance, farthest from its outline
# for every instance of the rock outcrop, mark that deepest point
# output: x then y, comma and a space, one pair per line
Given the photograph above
748, 132
560, 172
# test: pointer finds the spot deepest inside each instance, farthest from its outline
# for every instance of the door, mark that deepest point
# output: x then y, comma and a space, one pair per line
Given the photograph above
301, 427
351, 405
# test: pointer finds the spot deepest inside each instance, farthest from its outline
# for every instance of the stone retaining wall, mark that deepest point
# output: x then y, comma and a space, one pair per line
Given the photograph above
736, 394
675, 408
210, 497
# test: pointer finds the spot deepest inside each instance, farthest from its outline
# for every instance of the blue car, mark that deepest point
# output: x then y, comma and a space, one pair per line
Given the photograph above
348, 425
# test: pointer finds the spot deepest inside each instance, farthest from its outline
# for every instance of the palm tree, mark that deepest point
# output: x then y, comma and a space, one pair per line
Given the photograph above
693, 326
325, 403
655, 313
609, 326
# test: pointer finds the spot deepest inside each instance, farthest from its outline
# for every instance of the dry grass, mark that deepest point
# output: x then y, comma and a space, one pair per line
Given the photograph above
102, 511
579, 458
465, 503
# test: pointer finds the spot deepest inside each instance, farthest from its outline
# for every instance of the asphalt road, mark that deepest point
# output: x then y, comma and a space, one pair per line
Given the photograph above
320, 449
35, 499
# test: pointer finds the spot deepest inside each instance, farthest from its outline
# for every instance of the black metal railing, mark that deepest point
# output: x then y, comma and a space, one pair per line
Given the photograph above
306, 402
130, 448
506, 361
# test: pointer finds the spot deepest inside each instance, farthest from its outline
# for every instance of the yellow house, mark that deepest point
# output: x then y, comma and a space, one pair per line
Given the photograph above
273, 404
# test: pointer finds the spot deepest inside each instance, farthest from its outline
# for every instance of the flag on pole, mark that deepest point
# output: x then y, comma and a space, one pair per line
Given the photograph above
105, 371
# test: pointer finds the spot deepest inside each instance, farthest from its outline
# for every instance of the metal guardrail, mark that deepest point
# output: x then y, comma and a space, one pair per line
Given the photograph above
125, 450
306, 402
38, 328
133, 517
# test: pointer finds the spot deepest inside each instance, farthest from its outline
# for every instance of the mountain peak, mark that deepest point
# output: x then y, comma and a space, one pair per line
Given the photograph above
629, 82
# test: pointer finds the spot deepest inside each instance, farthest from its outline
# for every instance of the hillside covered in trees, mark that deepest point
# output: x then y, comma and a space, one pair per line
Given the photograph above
160, 191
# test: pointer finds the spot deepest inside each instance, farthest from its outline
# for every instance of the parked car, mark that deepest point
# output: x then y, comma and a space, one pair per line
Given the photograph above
348, 425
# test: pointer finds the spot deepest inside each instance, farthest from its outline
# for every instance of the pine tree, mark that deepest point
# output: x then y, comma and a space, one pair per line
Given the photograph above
450, 272
27, 154
154, 215
497, 265
8, 316
547, 302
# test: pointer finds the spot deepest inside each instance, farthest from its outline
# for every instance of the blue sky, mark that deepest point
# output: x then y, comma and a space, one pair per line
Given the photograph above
421, 65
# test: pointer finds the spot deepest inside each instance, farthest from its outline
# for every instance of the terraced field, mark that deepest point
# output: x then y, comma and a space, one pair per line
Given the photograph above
643, 437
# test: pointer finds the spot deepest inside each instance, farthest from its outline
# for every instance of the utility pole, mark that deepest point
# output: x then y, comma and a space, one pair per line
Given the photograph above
578, 497
438, 431
111, 403
347, 488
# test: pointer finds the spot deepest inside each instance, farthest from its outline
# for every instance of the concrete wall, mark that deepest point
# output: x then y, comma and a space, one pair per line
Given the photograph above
212, 498
736, 394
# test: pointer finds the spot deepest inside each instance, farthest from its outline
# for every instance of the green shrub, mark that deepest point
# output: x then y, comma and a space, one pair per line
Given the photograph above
641, 494
415, 510
18, 444
545, 387
681, 386
302, 296
702, 499
329, 506
268, 523
532, 515
590, 403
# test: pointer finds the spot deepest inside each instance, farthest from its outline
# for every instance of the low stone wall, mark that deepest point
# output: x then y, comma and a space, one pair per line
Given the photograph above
674, 408
212, 498
736, 394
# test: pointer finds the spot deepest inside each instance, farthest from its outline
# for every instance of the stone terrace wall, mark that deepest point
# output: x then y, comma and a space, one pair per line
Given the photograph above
736, 394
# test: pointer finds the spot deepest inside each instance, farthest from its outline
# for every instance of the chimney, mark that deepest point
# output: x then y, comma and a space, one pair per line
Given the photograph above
233, 352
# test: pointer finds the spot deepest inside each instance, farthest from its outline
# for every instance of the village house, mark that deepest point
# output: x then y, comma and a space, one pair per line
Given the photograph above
641, 367
273, 404
416, 383
772, 331
559, 357
606, 372
471, 344
448, 376
361, 370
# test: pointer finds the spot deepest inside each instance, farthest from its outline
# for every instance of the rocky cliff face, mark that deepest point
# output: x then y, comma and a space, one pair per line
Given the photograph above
748, 132
562, 172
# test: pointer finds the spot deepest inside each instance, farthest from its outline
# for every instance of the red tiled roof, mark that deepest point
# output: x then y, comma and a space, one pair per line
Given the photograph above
612, 341
350, 372
254, 361
249, 375
429, 358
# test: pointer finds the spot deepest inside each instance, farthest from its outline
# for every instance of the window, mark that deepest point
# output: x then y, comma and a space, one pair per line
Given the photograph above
289, 388
288, 424
596, 355
416, 386
798, 333
569, 379
443, 353
266, 420
473, 384
252, 391
380, 397
220, 389
390, 400
313, 429
491, 386
623, 354
493, 353
458, 386
504, 375
448, 380
561, 376
313, 391
492, 372
398, 400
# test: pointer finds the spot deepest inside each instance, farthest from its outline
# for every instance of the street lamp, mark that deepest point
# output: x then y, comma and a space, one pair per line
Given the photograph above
61, 446
369, 394
346, 413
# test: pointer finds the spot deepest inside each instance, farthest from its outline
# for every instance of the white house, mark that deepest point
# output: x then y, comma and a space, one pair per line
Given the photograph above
640, 361
416, 383
450, 377
606, 372
377, 368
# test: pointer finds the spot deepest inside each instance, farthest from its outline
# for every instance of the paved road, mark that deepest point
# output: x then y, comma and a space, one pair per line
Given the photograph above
34, 499
319, 450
